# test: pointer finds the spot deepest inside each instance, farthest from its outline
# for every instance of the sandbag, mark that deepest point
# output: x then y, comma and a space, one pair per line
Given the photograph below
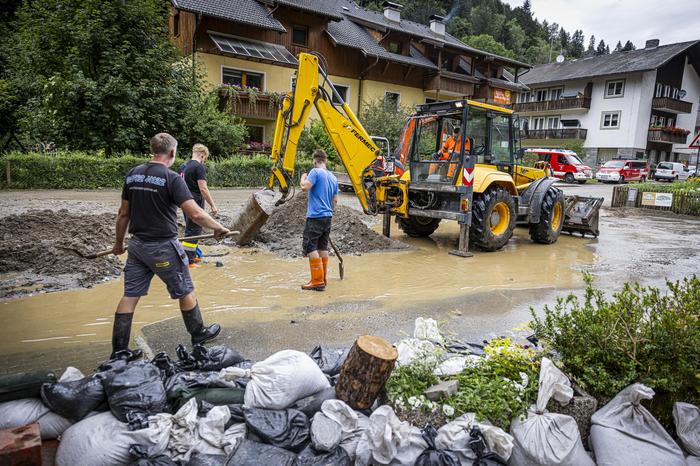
311, 404
434, 456
456, 364
104, 440
142, 458
412, 349
687, 420
427, 329
288, 428
311, 457
280, 380
24, 385
563, 441
459, 435
207, 359
329, 360
203, 459
387, 440
74, 399
326, 434
352, 424
136, 387
19, 413
625, 433
252, 453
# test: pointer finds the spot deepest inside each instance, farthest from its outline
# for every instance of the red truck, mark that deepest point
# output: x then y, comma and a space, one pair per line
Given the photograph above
564, 164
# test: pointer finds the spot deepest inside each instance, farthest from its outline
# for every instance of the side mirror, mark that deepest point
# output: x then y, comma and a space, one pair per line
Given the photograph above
520, 155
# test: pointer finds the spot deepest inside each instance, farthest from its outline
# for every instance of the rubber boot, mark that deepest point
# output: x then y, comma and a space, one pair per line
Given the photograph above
325, 270
195, 326
316, 283
121, 333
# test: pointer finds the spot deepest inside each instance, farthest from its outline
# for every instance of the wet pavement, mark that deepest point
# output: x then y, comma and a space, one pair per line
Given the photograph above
256, 295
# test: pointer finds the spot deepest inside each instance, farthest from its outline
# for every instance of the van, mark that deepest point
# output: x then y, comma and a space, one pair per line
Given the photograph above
671, 171
564, 164
621, 170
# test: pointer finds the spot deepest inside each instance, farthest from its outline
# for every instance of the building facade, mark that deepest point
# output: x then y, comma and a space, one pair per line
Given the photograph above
248, 50
639, 104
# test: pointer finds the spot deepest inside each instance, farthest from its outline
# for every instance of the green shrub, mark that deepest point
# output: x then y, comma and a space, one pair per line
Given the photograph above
315, 137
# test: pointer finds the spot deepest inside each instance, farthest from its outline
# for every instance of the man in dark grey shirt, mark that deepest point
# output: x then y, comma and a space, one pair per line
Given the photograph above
150, 198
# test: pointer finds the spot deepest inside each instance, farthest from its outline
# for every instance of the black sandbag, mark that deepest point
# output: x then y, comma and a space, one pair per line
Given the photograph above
329, 360
252, 453
74, 400
284, 428
205, 459
207, 359
136, 387
166, 365
237, 414
24, 385
141, 458
214, 396
432, 456
311, 404
312, 457
484, 456
177, 383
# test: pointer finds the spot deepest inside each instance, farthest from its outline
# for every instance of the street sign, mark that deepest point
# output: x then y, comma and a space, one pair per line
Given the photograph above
695, 144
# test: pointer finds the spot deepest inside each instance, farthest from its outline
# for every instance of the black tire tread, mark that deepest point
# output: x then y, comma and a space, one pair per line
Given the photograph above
542, 232
418, 230
479, 232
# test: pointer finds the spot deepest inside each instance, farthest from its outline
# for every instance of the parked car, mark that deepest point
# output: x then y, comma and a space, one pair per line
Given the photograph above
621, 170
565, 164
692, 170
671, 171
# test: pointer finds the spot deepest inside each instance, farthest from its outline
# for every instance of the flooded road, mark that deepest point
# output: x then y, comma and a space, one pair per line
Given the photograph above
255, 295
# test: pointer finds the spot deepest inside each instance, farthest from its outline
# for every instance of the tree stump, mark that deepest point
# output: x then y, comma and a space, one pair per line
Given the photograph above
365, 371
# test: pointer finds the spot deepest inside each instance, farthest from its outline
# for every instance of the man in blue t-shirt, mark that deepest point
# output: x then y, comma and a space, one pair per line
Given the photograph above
322, 187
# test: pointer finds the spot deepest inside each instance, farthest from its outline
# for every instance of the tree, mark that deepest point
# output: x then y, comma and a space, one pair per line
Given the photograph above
601, 49
564, 40
577, 46
618, 47
591, 45
487, 43
485, 20
459, 26
516, 37
382, 120
628, 46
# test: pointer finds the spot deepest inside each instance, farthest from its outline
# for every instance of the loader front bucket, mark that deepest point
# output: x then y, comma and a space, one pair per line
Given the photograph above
582, 215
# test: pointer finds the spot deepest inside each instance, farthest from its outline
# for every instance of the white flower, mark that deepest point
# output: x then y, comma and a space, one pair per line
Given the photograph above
413, 401
448, 410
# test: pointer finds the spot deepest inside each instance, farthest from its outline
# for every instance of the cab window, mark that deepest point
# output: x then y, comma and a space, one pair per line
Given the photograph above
562, 160
500, 139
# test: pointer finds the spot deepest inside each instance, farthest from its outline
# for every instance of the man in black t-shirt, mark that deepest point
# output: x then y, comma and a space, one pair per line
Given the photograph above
195, 176
150, 198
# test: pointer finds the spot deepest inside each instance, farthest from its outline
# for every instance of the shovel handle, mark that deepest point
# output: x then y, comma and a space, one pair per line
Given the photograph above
107, 252
341, 266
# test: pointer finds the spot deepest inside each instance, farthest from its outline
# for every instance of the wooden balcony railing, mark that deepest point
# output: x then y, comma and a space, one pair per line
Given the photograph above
560, 133
666, 135
558, 104
240, 103
670, 105
450, 82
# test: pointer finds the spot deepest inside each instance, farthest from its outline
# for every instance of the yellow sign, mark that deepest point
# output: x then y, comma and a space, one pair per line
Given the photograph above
657, 199
649, 199
501, 96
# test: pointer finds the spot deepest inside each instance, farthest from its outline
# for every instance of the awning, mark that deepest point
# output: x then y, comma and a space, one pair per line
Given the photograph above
253, 49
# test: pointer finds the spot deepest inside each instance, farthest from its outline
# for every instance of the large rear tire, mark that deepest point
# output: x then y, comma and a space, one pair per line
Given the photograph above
493, 219
551, 218
418, 227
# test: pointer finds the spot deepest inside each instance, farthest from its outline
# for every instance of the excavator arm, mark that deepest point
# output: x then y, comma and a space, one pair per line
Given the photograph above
355, 147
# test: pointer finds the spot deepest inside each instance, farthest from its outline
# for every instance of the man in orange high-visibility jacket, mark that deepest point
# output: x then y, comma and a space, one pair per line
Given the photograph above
453, 146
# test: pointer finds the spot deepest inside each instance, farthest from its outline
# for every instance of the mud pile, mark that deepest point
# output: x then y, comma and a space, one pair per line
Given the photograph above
38, 251
283, 231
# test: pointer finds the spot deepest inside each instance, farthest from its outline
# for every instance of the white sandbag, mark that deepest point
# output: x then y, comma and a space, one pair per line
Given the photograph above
190, 433
389, 441
456, 364
692, 461
352, 424
427, 329
544, 438
625, 433
19, 413
71, 374
280, 380
687, 420
411, 349
455, 436
233, 437
326, 434
102, 439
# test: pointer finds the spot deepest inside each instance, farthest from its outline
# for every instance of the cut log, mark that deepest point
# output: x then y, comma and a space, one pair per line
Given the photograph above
365, 371
253, 216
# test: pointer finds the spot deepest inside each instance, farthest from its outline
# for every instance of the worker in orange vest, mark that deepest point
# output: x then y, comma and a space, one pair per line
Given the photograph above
453, 146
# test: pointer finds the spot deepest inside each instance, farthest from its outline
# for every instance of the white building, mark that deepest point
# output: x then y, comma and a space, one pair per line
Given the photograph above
638, 104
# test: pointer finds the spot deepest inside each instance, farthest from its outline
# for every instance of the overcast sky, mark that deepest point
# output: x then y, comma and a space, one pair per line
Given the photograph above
612, 20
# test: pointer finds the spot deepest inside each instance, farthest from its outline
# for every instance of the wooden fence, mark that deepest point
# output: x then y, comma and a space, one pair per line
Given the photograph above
683, 202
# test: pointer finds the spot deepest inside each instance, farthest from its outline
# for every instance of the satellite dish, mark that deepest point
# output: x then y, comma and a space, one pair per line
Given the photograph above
560, 58
682, 93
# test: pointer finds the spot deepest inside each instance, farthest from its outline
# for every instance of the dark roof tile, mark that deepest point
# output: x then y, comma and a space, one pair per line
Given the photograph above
321, 7
248, 12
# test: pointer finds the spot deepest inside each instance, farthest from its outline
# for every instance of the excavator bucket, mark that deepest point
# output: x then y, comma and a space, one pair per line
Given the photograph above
581, 215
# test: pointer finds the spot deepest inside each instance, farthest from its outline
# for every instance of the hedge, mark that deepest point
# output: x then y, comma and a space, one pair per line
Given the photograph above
77, 170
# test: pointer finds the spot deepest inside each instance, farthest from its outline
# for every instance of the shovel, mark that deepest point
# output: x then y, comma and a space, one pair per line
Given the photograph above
106, 252
341, 267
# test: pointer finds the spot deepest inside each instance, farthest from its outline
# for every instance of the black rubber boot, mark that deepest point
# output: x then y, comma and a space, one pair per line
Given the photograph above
121, 332
195, 326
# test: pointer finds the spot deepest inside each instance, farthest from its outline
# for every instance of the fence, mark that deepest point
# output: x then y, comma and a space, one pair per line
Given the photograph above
680, 201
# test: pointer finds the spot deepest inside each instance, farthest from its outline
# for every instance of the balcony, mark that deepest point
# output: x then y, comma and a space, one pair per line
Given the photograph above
667, 104
578, 103
559, 133
454, 83
668, 135
249, 103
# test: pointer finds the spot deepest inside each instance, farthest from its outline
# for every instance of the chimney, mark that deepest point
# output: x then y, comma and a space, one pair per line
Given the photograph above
392, 11
652, 44
437, 25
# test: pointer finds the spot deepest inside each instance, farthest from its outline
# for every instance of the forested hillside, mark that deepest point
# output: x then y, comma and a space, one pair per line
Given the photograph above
496, 27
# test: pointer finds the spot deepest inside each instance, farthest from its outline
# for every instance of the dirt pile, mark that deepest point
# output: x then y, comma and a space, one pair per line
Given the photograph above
38, 251
283, 231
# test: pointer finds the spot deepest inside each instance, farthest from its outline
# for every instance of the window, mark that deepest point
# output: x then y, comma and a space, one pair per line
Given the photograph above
614, 88
667, 90
428, 100
242, 78
553, 122
343, 91
394, 46
500, 139
300, 36
538, 123
176, 24
675, 92
541, 95
555, 94
610, 120
670, 122
392, 99
255, 134
659, 90
661, 121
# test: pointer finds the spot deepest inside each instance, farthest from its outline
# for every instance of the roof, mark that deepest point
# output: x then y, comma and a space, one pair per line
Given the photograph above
248, 12
615, 63
350, 34
320, 7
254, 49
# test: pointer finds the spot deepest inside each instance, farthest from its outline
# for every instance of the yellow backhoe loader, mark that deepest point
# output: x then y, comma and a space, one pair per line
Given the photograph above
476, 180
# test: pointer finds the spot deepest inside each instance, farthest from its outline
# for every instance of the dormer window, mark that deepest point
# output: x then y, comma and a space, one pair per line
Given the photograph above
300, 36
394, 46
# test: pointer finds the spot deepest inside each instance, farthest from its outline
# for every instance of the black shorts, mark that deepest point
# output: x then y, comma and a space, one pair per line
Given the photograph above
316, 234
